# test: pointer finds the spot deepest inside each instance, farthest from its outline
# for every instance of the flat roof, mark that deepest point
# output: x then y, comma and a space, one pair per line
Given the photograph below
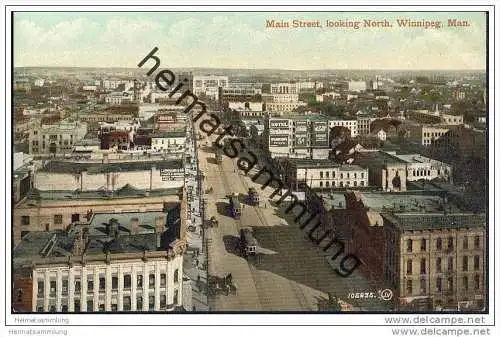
311, 117
436, 221
61, 242
98, 167
127, 191
169, 134
378, 158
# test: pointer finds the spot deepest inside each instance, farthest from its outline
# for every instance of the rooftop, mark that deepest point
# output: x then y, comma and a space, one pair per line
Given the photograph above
377, 158
436, 221
56, 166
169, 134
398, 202
127, 191
97, 236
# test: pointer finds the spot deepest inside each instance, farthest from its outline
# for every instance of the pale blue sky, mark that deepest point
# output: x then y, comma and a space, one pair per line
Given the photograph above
240, 40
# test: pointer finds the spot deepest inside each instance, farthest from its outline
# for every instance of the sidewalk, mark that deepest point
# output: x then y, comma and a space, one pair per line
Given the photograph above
195, 257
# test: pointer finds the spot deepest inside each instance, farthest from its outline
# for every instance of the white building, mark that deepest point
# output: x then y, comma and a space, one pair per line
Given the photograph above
119, 97
284, 88
39, 82
357, 86
168, 141
209, 85
118, 262
382, 135
325, 174
351, 124
56, 138
420, 167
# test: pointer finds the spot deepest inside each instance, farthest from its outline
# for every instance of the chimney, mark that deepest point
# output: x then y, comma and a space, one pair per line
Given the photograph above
159, 229
112, 227
134, 223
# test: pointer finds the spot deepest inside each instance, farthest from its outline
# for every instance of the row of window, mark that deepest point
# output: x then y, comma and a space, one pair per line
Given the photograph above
127, 283
439, 268
341, 184
354, 175
439, 284
127, 304
439, 244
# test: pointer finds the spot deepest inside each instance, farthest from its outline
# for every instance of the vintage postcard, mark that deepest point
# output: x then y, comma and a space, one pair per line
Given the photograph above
238, 161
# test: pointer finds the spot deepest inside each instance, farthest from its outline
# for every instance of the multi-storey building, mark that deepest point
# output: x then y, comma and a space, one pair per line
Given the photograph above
351, 124
425, 134
436, 260
420, 167
386, 171
357, 86
323, 174
297, 136
56, 138
209, 85
116, 262
168, 141
364, 124
284, 88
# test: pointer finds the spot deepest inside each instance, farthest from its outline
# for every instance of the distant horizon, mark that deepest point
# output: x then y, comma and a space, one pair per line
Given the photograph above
280, 69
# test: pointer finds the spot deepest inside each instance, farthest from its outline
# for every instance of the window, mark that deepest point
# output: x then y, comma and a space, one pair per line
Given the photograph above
114, 282
127, 304
163, 302
77, 305
450, 243
114, 307
477, 242
58, 219
439, 244
450, 283
321, 174
139, 304
423, 245
176, 276
53, 285
465, 263
19, 296
102, 307
466, 243
476, 262
25, 220
65, 287
355, 183
362, 183
151, 302
90, 286
64, 308
176, 297
409, 268
127, 281
341, 176
465, 281
409, 287
423, 268
163, 280
423, 286
102, 284
41, 289
320, 184
139, 281
362, 175
439, 285
477, 282
450, 263
409, 245
327, 174
151, 280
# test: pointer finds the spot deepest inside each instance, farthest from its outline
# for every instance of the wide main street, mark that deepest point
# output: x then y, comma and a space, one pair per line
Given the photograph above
289, 272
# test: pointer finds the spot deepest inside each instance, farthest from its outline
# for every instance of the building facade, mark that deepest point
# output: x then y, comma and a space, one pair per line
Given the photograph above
438, 257
57, 138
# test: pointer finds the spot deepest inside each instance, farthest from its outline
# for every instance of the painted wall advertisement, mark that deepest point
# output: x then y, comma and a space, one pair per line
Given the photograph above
319, 135
278, 141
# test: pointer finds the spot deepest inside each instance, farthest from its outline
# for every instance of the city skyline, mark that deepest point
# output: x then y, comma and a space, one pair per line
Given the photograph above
203, 40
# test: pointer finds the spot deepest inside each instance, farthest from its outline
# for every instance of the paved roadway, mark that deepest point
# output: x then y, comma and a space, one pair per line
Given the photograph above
289, 273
